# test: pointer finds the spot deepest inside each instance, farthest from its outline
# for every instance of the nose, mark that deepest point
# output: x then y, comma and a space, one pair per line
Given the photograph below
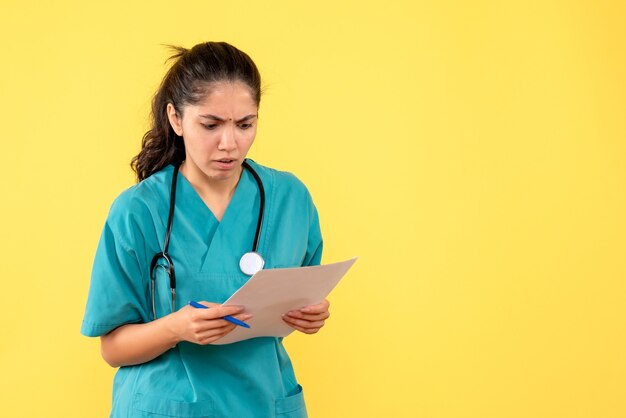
228, 141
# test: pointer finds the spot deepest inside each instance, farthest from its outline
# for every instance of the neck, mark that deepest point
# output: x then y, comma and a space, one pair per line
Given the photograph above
209, 187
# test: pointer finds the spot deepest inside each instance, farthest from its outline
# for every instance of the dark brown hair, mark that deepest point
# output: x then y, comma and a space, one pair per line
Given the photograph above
187, 82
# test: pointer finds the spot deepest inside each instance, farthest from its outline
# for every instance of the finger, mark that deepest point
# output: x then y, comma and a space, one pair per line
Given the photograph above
216, 331
317, 308
309, 317
216, 336
217, 324
214, 305
207, 337
302, 323
242, 317
209, 304
200, 328
213, 334
305, 330
231, 309
219, 311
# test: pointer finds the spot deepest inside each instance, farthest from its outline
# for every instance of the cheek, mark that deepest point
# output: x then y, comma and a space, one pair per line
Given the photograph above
248, 137
245, 145
200, 143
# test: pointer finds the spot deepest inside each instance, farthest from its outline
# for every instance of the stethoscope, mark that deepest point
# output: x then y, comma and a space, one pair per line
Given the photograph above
250, 262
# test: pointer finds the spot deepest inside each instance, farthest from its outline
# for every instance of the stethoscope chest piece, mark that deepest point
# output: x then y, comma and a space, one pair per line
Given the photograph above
251, 262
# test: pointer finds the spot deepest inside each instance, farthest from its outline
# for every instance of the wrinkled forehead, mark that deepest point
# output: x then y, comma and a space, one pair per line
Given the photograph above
204, 92
225, 100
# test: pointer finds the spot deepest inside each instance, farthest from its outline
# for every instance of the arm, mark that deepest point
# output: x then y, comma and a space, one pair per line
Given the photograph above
138, 343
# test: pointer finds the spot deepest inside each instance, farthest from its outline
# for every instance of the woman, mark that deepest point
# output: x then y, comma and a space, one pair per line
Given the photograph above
205, 115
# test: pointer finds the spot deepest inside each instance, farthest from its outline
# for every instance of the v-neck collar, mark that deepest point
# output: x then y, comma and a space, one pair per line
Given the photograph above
220, 241
191, 194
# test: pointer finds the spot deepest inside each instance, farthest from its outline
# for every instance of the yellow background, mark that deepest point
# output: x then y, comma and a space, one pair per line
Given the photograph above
471, 153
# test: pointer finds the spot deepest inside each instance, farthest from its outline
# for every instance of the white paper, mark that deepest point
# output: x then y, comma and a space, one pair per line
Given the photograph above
271, 293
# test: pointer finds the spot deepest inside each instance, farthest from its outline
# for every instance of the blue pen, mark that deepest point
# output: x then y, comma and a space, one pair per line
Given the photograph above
227, 317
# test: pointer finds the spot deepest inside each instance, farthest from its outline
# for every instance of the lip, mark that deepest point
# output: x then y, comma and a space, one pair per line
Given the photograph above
225, 163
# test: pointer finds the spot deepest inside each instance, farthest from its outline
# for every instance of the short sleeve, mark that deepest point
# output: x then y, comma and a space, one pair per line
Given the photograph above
116, 293
315, 242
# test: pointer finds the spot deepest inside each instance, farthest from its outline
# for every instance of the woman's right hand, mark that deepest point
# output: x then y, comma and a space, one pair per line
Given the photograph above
131, 344
204, 326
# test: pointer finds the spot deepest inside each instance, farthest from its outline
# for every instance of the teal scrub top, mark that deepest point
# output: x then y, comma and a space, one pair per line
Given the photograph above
251, 378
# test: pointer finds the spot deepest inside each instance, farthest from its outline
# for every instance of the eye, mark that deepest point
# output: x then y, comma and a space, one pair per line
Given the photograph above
245, 125
210, 126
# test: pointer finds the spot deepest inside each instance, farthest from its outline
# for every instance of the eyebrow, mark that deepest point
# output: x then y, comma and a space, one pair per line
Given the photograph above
217, 118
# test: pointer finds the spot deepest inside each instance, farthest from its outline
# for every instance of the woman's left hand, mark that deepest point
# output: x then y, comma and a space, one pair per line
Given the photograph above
309, 319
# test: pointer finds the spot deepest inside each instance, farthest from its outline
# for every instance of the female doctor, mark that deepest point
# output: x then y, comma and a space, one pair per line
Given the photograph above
179, 235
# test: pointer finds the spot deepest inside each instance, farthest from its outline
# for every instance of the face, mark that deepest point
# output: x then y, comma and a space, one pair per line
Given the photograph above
218, 131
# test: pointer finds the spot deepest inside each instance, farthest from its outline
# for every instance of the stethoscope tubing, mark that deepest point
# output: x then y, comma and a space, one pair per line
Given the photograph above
169, 268
257, 234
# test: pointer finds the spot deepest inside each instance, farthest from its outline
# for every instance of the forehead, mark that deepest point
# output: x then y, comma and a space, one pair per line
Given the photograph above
226, 96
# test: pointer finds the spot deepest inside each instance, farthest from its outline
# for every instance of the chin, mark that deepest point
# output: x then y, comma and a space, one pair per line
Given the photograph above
220, 174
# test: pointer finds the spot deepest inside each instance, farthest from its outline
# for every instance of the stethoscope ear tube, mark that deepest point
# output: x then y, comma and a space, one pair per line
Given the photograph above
250, 262
170, 216
257, 234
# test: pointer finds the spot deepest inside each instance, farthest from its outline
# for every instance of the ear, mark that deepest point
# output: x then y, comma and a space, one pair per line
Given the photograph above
175, 121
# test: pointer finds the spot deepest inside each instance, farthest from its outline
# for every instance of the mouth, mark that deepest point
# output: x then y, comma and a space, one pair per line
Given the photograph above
225, 163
